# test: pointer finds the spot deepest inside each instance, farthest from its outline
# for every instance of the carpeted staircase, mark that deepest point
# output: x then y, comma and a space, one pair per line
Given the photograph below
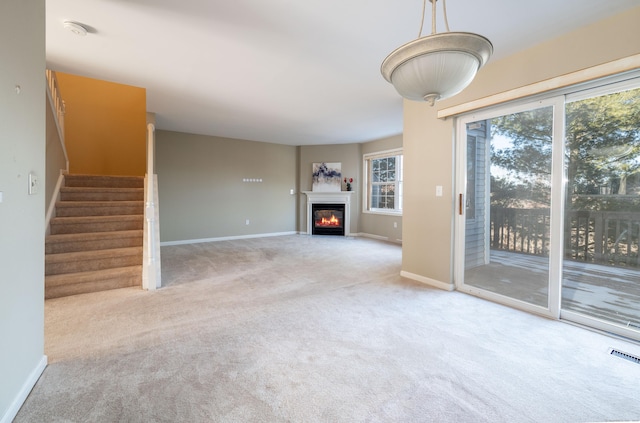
95, 240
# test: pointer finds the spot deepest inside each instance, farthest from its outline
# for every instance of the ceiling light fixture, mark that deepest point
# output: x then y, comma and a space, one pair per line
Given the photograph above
436, 66
76, 28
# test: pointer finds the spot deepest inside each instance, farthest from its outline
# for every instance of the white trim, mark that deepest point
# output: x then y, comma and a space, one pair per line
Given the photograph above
382, 154
225, 238
428, 281
372, 236
367, 185
557, 207
578, 77
598, 325
28, 385
378, 237
553, 302
383, 213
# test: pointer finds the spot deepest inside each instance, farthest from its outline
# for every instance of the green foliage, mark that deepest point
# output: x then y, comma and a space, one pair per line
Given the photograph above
603, 141
602, 150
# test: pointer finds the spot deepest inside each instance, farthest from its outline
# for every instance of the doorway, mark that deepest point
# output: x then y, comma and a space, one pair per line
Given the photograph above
548, 216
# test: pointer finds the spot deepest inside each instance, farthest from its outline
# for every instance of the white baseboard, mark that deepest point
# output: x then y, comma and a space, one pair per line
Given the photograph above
13, 409
378, 237
225, 238
371, 236
428, 281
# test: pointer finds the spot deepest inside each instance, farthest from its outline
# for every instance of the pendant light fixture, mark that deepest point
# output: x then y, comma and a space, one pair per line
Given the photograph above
436, 66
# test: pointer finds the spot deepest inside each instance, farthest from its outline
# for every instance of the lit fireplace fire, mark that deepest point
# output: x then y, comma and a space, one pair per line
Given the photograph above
333, 221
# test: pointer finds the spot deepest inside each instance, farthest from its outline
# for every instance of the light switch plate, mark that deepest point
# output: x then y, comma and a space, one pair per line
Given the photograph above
33, 184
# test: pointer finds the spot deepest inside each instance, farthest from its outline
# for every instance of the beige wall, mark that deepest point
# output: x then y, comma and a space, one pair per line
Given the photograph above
202, 194
429, 142
22, 151
105, 126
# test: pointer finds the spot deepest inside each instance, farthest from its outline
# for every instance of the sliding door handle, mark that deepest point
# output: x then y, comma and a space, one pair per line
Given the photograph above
460, 204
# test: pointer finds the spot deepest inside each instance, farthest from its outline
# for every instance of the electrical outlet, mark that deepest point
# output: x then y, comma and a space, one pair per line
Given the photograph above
395, 225
246, 222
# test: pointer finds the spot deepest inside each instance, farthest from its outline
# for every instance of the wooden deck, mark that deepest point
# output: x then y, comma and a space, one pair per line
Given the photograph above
604, 292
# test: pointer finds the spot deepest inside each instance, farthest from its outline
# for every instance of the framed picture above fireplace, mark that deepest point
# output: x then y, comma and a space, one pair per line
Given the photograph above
326, 177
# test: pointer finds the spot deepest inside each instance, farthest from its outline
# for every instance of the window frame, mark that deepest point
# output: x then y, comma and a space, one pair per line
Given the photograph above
368, 183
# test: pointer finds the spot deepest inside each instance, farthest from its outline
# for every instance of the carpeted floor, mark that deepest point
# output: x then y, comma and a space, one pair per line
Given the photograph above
317, 329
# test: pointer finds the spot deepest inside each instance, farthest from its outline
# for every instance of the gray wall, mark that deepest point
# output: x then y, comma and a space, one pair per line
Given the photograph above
202, 194
22, 143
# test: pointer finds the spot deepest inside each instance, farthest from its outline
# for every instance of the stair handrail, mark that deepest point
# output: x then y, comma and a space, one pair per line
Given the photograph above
151, 271
59, 108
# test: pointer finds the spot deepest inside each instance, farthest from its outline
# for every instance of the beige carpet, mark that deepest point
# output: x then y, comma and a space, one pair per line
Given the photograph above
317, 329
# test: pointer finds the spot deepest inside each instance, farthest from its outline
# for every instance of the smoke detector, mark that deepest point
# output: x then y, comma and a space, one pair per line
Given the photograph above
76, 28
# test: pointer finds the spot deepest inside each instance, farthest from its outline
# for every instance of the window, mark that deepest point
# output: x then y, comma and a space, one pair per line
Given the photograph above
383, 181
553, 185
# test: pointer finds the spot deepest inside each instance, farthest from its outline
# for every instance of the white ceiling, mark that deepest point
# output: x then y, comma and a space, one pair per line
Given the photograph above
283, 71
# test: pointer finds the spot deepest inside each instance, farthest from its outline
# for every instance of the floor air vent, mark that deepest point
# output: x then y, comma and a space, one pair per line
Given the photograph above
624, 355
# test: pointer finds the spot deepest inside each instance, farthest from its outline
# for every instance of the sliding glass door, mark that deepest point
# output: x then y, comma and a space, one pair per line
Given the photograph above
601, 267
548, 212
506, 206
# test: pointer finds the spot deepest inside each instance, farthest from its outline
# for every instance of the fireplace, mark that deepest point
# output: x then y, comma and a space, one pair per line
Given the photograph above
328, 219
333, 203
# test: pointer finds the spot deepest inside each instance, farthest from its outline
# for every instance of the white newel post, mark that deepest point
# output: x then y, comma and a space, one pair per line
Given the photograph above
149, 276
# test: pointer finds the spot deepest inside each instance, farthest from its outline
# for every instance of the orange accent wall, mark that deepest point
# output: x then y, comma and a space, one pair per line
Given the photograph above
105, 126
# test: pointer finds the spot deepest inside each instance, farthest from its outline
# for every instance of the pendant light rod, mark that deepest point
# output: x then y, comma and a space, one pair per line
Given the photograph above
433, 16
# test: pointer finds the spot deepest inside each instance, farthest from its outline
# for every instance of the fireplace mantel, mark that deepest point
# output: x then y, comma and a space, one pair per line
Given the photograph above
328, 197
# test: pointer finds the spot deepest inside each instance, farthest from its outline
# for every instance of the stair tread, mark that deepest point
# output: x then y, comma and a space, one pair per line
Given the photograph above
93, 254
99, 203
81, 243
81, 277
88, 219
103, 180
100, 189
88, 236
94, 176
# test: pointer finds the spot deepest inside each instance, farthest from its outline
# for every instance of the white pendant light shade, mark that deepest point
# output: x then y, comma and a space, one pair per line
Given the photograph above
431, 69
436, 66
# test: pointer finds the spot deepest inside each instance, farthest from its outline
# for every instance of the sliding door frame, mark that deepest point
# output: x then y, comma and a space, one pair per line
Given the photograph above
558, 99
554, 276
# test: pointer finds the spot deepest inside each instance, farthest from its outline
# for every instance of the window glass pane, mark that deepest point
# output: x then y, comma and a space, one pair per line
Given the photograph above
507, 245
601, 271
383, 173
